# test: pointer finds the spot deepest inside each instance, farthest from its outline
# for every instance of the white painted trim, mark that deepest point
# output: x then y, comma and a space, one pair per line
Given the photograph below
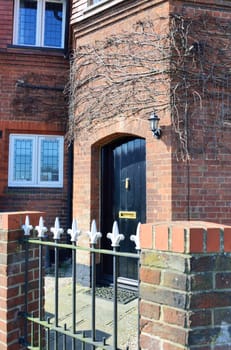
40, 25
48, 183
15, 29
35, 181
11, 181
102, 5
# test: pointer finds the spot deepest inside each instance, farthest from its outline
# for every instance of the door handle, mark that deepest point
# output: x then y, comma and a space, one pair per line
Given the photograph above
127, 183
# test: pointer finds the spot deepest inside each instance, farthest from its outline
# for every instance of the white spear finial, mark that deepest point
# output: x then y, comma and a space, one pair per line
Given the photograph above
136, 237
115, 236
74, 231
41, 228
93, 234
27, 227
56, 230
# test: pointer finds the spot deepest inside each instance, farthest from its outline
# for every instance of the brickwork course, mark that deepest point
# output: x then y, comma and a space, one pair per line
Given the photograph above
185, 286
196, 189
30, 109
193, 189
12, 276
181, 289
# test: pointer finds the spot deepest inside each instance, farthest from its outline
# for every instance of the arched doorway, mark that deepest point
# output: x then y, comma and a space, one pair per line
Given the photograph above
123, 198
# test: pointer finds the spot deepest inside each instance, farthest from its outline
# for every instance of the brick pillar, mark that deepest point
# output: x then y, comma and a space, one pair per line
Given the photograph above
185, 286
12, 286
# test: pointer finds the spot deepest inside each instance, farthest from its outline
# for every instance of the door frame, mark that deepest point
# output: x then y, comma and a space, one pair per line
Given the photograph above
105, 208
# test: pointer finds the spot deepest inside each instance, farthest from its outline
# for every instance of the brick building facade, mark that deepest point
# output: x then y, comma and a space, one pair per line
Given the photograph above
188, 168
186, 173
179, 69
33, 113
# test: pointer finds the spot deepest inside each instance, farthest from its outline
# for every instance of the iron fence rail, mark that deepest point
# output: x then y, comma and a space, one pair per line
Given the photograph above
42, 329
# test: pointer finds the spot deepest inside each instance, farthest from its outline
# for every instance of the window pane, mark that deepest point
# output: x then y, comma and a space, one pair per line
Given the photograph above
22, 160
27, 22
53, 24
49, 166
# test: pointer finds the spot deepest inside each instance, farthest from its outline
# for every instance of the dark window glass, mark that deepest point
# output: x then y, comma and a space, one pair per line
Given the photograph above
49, 167
40, 23
22, 160
53, 24
27, 22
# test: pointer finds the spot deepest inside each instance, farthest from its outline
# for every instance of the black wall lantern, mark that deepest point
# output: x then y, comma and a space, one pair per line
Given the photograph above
154, 125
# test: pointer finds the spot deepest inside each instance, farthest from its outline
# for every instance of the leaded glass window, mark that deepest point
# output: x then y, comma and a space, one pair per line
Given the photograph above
40, 23
23, 152
36, 160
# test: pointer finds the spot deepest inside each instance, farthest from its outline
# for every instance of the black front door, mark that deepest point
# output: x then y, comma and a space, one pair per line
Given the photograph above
123, 198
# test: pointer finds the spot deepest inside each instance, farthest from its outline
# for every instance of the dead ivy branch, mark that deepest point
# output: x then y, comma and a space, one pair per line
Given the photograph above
176, 64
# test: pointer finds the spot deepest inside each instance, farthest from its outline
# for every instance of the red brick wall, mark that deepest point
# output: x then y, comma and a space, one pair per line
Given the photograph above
53, 200
12, 277
31, 110
185, 288
87, 145
201, 187
6, 30
198, 189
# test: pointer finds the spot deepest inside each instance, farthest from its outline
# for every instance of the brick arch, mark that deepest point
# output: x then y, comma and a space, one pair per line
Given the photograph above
112, 137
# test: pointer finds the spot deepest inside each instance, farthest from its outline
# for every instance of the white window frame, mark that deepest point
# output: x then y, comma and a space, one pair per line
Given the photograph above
40, 25
36, 160
95, 2
91, 9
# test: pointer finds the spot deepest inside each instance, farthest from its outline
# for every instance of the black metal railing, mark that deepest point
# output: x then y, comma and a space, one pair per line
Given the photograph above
48, 333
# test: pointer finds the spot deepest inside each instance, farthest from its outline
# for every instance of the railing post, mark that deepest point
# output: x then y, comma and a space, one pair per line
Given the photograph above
26, 247
41, 229
136, 239
115, 238
94, 236
56, 230
115, 312
74, 232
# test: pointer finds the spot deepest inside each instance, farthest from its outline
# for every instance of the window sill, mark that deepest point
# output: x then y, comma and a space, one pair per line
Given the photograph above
19, 188
35, 50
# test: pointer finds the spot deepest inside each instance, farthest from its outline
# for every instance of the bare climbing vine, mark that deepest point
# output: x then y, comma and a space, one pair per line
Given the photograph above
177, 64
